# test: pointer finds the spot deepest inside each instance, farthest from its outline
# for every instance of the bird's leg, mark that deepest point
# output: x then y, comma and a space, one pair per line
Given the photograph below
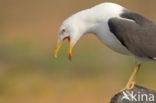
131, 81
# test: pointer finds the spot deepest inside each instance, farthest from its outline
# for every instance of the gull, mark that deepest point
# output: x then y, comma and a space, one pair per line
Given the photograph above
120, 29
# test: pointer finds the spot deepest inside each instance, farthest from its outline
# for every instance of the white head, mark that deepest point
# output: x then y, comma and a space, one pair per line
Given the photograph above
72, 29
83, 22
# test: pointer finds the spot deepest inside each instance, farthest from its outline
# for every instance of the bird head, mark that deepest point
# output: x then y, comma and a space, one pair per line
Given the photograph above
93, 20
71, 29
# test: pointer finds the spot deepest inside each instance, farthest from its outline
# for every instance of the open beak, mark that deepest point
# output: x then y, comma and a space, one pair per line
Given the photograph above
58, 46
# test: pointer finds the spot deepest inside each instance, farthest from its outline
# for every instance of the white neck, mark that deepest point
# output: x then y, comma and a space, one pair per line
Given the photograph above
97, 20
99, 15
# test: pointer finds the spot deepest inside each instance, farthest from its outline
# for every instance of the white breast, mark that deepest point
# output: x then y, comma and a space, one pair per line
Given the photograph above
111, 41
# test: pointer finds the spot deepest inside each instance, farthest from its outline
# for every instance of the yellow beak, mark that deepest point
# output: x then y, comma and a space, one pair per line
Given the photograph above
70, 52
58, 46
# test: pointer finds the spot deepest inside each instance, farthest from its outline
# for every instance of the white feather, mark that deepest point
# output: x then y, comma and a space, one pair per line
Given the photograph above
95, 20
102, 13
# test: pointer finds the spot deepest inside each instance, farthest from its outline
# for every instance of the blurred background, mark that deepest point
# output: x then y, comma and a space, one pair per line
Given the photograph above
30, 74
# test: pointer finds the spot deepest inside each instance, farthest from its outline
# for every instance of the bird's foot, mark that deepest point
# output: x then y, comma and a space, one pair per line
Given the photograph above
130, 85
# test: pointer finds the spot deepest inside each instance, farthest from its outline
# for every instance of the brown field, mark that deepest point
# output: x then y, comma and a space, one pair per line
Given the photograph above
30, 74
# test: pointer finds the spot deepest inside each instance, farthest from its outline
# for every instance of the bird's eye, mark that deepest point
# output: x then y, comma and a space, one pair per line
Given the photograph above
63, 31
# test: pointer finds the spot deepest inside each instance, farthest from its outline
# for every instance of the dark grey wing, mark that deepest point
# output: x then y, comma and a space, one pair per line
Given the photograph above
136, 33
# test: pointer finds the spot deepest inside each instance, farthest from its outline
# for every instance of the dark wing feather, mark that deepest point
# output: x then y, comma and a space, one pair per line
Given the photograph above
139, 36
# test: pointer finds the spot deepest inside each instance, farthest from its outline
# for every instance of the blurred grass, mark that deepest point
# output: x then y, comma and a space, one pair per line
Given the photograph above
30, 74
